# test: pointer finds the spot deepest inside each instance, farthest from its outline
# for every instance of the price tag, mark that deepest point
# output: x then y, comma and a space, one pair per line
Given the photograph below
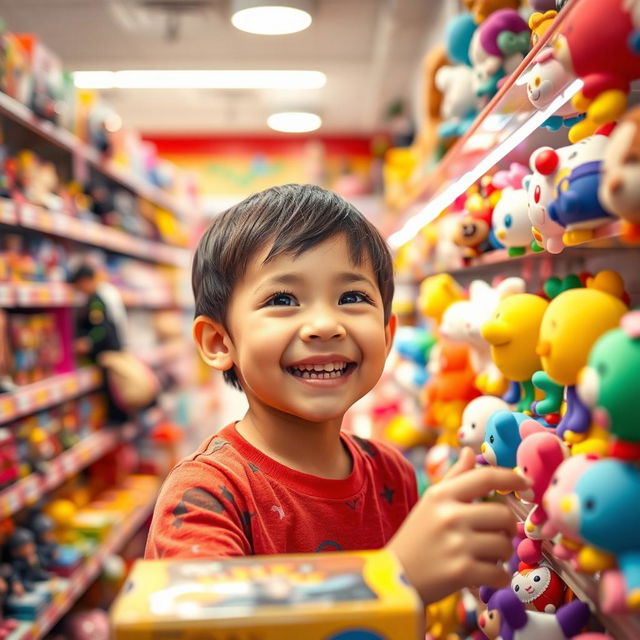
23, 401
31, 490
28, 215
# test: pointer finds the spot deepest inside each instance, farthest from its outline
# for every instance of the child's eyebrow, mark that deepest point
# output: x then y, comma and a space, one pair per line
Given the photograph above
292, 279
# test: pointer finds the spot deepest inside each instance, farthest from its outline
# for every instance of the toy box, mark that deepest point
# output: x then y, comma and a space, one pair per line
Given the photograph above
327, 596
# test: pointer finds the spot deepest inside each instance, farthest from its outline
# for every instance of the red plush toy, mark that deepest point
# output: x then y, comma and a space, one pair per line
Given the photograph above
539, 588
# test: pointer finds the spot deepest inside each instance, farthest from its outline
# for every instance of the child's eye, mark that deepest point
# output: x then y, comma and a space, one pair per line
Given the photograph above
353, 297
282, 299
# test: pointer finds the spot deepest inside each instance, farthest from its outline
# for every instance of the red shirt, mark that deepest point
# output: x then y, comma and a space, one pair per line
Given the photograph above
229, 499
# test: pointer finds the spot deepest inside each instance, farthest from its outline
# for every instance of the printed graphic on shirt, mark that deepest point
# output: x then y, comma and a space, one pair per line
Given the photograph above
253, 467
279, 510
366, 446
353, 504
217, 444
387, 494
198, 497
226, 494
329, 545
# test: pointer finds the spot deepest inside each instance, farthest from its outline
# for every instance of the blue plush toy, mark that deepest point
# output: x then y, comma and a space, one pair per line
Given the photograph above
607, 508
502, 438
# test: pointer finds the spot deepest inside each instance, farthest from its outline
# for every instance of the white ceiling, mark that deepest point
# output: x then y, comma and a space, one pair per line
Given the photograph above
370, 51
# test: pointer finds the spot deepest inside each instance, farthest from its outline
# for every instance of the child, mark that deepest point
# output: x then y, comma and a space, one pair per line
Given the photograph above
293, 290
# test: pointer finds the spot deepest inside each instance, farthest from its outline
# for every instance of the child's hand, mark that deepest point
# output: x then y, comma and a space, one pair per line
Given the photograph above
448, 541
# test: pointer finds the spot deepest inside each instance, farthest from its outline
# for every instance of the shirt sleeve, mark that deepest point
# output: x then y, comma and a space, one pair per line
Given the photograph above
196, 515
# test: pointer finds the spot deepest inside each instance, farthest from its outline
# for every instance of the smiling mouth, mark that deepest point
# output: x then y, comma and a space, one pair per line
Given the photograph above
325, 371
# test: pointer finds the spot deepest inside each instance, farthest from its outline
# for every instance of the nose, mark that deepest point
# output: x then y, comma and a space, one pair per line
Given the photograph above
322, 325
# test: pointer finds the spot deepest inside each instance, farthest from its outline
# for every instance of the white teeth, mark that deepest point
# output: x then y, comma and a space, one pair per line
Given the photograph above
319, 371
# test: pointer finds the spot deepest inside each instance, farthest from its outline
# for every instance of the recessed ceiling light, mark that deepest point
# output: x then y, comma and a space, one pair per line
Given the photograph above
294, 121
200, 79
271, 18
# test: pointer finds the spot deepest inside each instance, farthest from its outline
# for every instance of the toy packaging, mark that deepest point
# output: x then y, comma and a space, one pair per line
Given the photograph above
317, 597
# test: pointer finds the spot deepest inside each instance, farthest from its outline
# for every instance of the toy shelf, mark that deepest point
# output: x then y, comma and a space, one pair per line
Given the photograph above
55, 390
38, 294
622, 627
64, 139
149, 299
509, 125
29, 490
88, 232
84, 576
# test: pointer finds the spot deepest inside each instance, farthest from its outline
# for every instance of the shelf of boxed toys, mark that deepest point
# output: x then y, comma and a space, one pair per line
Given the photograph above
39, 395
84, 576
585, 586
88, 232
62, 138
30, 489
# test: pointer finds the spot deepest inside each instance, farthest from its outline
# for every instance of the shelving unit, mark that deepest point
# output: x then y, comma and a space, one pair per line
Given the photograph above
40, 395
84, 576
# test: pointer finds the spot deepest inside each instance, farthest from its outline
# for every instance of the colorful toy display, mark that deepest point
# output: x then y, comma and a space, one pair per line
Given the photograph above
572, 323
511, 222
513, 333
502, 438
506, 618
595, 47
608, 385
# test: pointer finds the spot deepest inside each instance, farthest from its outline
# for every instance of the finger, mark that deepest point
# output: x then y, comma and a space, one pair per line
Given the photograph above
488, 574
479, 483
490, 547
465, 462
490, 516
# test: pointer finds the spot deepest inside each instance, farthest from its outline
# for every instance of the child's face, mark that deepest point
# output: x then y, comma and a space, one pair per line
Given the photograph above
307, 334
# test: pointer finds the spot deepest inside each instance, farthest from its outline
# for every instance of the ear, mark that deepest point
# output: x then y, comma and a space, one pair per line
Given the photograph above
213, 342
390, 332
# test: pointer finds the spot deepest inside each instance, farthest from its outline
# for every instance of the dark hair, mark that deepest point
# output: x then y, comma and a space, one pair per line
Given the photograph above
294, 218
82, 272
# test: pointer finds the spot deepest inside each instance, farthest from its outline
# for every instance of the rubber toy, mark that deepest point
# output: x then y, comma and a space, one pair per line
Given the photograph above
498, 46
511, 222
538, 456
413, 345
620, 183
442, 617
609, 385
449, 390
572, 323
595, 47
459, 105
474, 420
507, 619
545, 81
473, 226
539, 588
540, 23
512, 333
482, 9
462, 320
459, 31
502, 438
436, 294
607, 493
562, 484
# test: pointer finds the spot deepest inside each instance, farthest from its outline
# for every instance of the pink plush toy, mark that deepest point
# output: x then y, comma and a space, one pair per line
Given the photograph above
538, 456
562, 484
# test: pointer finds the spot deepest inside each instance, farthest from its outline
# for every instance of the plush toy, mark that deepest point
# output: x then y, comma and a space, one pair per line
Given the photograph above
544, 82
459, 104
620, 184
436, 294
498, 46
502, 438
474, 420
607, 493
538, 456
511, 222
413, 345
539, 588
539, 23
609, 385
482, 9
473, 226
572, 323
558, 523
595, 47
507, 619
462, 320
512, 333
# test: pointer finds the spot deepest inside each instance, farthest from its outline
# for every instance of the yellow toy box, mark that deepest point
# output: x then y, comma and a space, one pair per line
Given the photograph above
326, 596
